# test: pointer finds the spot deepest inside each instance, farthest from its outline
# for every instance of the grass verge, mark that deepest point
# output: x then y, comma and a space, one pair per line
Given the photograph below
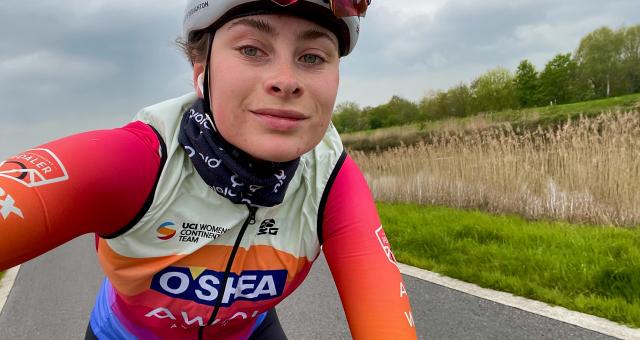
1, 275
554, 114
591, 269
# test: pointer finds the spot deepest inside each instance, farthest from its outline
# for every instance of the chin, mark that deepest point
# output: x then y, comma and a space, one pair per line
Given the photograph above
277, 157
277, 153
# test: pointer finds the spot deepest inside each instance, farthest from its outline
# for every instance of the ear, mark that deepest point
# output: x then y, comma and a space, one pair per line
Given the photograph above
198, 72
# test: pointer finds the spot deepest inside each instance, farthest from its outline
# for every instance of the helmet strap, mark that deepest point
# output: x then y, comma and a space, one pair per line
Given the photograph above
205, 90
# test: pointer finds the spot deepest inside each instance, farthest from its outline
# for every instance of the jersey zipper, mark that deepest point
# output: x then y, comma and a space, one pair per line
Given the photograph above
251, 219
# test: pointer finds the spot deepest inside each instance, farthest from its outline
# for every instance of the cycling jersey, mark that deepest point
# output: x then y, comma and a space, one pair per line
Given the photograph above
179, 258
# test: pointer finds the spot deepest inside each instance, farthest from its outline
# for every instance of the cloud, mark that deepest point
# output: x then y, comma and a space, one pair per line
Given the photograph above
407, 8
19, 136
52, 68
454, 41
51, 64
78, 59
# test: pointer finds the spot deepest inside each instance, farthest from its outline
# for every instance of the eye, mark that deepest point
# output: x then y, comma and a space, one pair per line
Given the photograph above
249, 51
312, 59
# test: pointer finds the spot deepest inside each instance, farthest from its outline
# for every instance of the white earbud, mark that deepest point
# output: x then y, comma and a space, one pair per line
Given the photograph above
201, 83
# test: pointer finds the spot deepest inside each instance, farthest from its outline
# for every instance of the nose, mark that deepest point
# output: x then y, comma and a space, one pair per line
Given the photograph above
284, 82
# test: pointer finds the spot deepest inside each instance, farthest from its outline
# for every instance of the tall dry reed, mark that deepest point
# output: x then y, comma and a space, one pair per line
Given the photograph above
587, 171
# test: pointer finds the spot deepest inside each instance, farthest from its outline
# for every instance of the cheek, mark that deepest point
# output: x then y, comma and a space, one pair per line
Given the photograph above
325, 90
328, 96
227, 74
222, 106
228, 86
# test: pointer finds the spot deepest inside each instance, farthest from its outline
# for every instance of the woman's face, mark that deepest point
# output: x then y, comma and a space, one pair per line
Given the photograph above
274, 80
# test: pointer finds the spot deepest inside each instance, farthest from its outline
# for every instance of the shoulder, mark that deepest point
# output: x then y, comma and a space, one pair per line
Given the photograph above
165, 116
326, 155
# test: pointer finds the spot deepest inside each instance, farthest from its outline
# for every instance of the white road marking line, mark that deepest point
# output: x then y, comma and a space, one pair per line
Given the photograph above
590, 322
6, 283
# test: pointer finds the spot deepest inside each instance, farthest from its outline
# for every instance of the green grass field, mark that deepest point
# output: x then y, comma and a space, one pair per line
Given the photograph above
591, 269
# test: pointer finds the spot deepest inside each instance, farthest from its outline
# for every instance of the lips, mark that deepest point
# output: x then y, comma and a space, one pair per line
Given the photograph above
287, 114
280, 120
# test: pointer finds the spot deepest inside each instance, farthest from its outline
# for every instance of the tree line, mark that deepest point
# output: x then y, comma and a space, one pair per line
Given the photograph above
605, 64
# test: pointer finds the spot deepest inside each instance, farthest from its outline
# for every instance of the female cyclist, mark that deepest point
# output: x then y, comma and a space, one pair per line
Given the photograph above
210, 208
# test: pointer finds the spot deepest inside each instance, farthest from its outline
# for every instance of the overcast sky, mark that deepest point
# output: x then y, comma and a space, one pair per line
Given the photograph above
73, 65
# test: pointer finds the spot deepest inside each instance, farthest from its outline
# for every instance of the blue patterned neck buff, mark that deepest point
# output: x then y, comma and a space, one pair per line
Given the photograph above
228, 170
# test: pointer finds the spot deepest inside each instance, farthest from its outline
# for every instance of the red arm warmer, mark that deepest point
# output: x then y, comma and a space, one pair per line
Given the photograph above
90, 182
370, 285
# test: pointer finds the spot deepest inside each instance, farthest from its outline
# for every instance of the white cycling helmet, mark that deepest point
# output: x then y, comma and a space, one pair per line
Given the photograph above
342, 17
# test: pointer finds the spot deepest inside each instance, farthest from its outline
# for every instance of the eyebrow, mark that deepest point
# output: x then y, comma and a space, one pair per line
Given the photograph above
313, 34
258, 24
265, 27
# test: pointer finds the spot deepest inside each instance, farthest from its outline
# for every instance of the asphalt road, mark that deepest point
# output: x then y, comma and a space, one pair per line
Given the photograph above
53, 296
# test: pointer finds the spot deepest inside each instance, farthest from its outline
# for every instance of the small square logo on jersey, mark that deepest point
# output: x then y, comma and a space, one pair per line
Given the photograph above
33, 168
386, 246
166, 230
268, 227
8, 206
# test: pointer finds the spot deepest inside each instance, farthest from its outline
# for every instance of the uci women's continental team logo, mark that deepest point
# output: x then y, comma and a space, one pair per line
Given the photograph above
189, 232
166, 230
33, 168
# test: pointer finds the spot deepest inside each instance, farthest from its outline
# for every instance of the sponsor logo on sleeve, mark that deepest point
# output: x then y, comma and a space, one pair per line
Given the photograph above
386, 246
408, 315
8, 206
205, 286
33, 168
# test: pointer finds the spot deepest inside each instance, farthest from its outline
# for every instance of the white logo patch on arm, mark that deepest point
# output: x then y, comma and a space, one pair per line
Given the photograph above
7, 205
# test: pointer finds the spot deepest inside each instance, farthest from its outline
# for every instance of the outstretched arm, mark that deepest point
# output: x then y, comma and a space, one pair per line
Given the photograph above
360, 259
96, 181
